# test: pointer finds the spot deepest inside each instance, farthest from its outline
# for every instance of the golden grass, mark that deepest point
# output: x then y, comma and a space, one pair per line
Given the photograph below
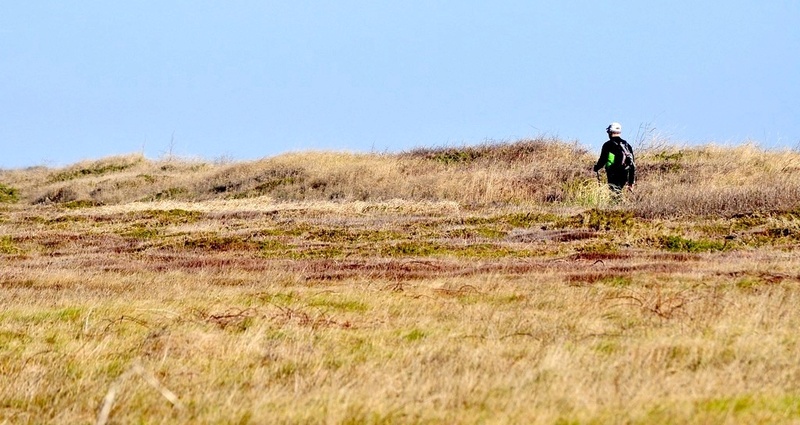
673, 181
525, 296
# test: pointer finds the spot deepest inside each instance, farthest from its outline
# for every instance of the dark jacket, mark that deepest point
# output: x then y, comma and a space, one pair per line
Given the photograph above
611, 158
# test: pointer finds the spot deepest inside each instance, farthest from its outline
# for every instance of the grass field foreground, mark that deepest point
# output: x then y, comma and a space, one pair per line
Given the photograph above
279, 304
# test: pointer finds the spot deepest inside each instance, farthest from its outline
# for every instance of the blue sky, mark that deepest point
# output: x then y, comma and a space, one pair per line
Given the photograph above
245, 79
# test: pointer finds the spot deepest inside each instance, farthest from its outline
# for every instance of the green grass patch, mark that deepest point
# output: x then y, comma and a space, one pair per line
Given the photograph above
38, 317
147, 178
748, 283
414, 335
342, 305
170, 193
597, 219
292, 230
617, 281
267, 182
729, 405
413, 249
607, 347
485, 232
433, 249
490, 232
140, 231
423, 248
260, 190
8, 246
676, 243
343, 235
518, 220
282, 299
10, 340
8, 195
274, 248
81, 203
70, 314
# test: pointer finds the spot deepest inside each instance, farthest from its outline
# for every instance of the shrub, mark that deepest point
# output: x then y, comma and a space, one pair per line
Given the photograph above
97, 168
8, 195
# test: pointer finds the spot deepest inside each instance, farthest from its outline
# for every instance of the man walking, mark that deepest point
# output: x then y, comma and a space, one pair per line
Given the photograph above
616, 157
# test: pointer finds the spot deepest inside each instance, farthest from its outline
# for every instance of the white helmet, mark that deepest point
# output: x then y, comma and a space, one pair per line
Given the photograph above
614, 128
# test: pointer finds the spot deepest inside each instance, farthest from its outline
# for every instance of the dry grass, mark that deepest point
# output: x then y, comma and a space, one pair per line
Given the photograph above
436, 286
714, 180
689, 181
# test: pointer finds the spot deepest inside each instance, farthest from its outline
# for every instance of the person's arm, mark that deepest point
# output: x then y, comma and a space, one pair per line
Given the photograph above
601, 162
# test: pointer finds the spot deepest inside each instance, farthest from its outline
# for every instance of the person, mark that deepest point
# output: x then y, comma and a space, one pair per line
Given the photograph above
616, 157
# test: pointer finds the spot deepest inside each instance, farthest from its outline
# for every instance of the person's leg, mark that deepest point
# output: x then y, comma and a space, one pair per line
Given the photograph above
616, 182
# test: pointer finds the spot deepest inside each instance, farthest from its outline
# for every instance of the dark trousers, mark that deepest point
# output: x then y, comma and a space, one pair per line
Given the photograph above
616, 181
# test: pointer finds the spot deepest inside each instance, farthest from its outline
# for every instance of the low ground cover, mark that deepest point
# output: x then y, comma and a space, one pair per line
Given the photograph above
231, 308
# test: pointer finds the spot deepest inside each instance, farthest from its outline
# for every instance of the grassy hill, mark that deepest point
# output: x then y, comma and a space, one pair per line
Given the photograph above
490, 284
688, 181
